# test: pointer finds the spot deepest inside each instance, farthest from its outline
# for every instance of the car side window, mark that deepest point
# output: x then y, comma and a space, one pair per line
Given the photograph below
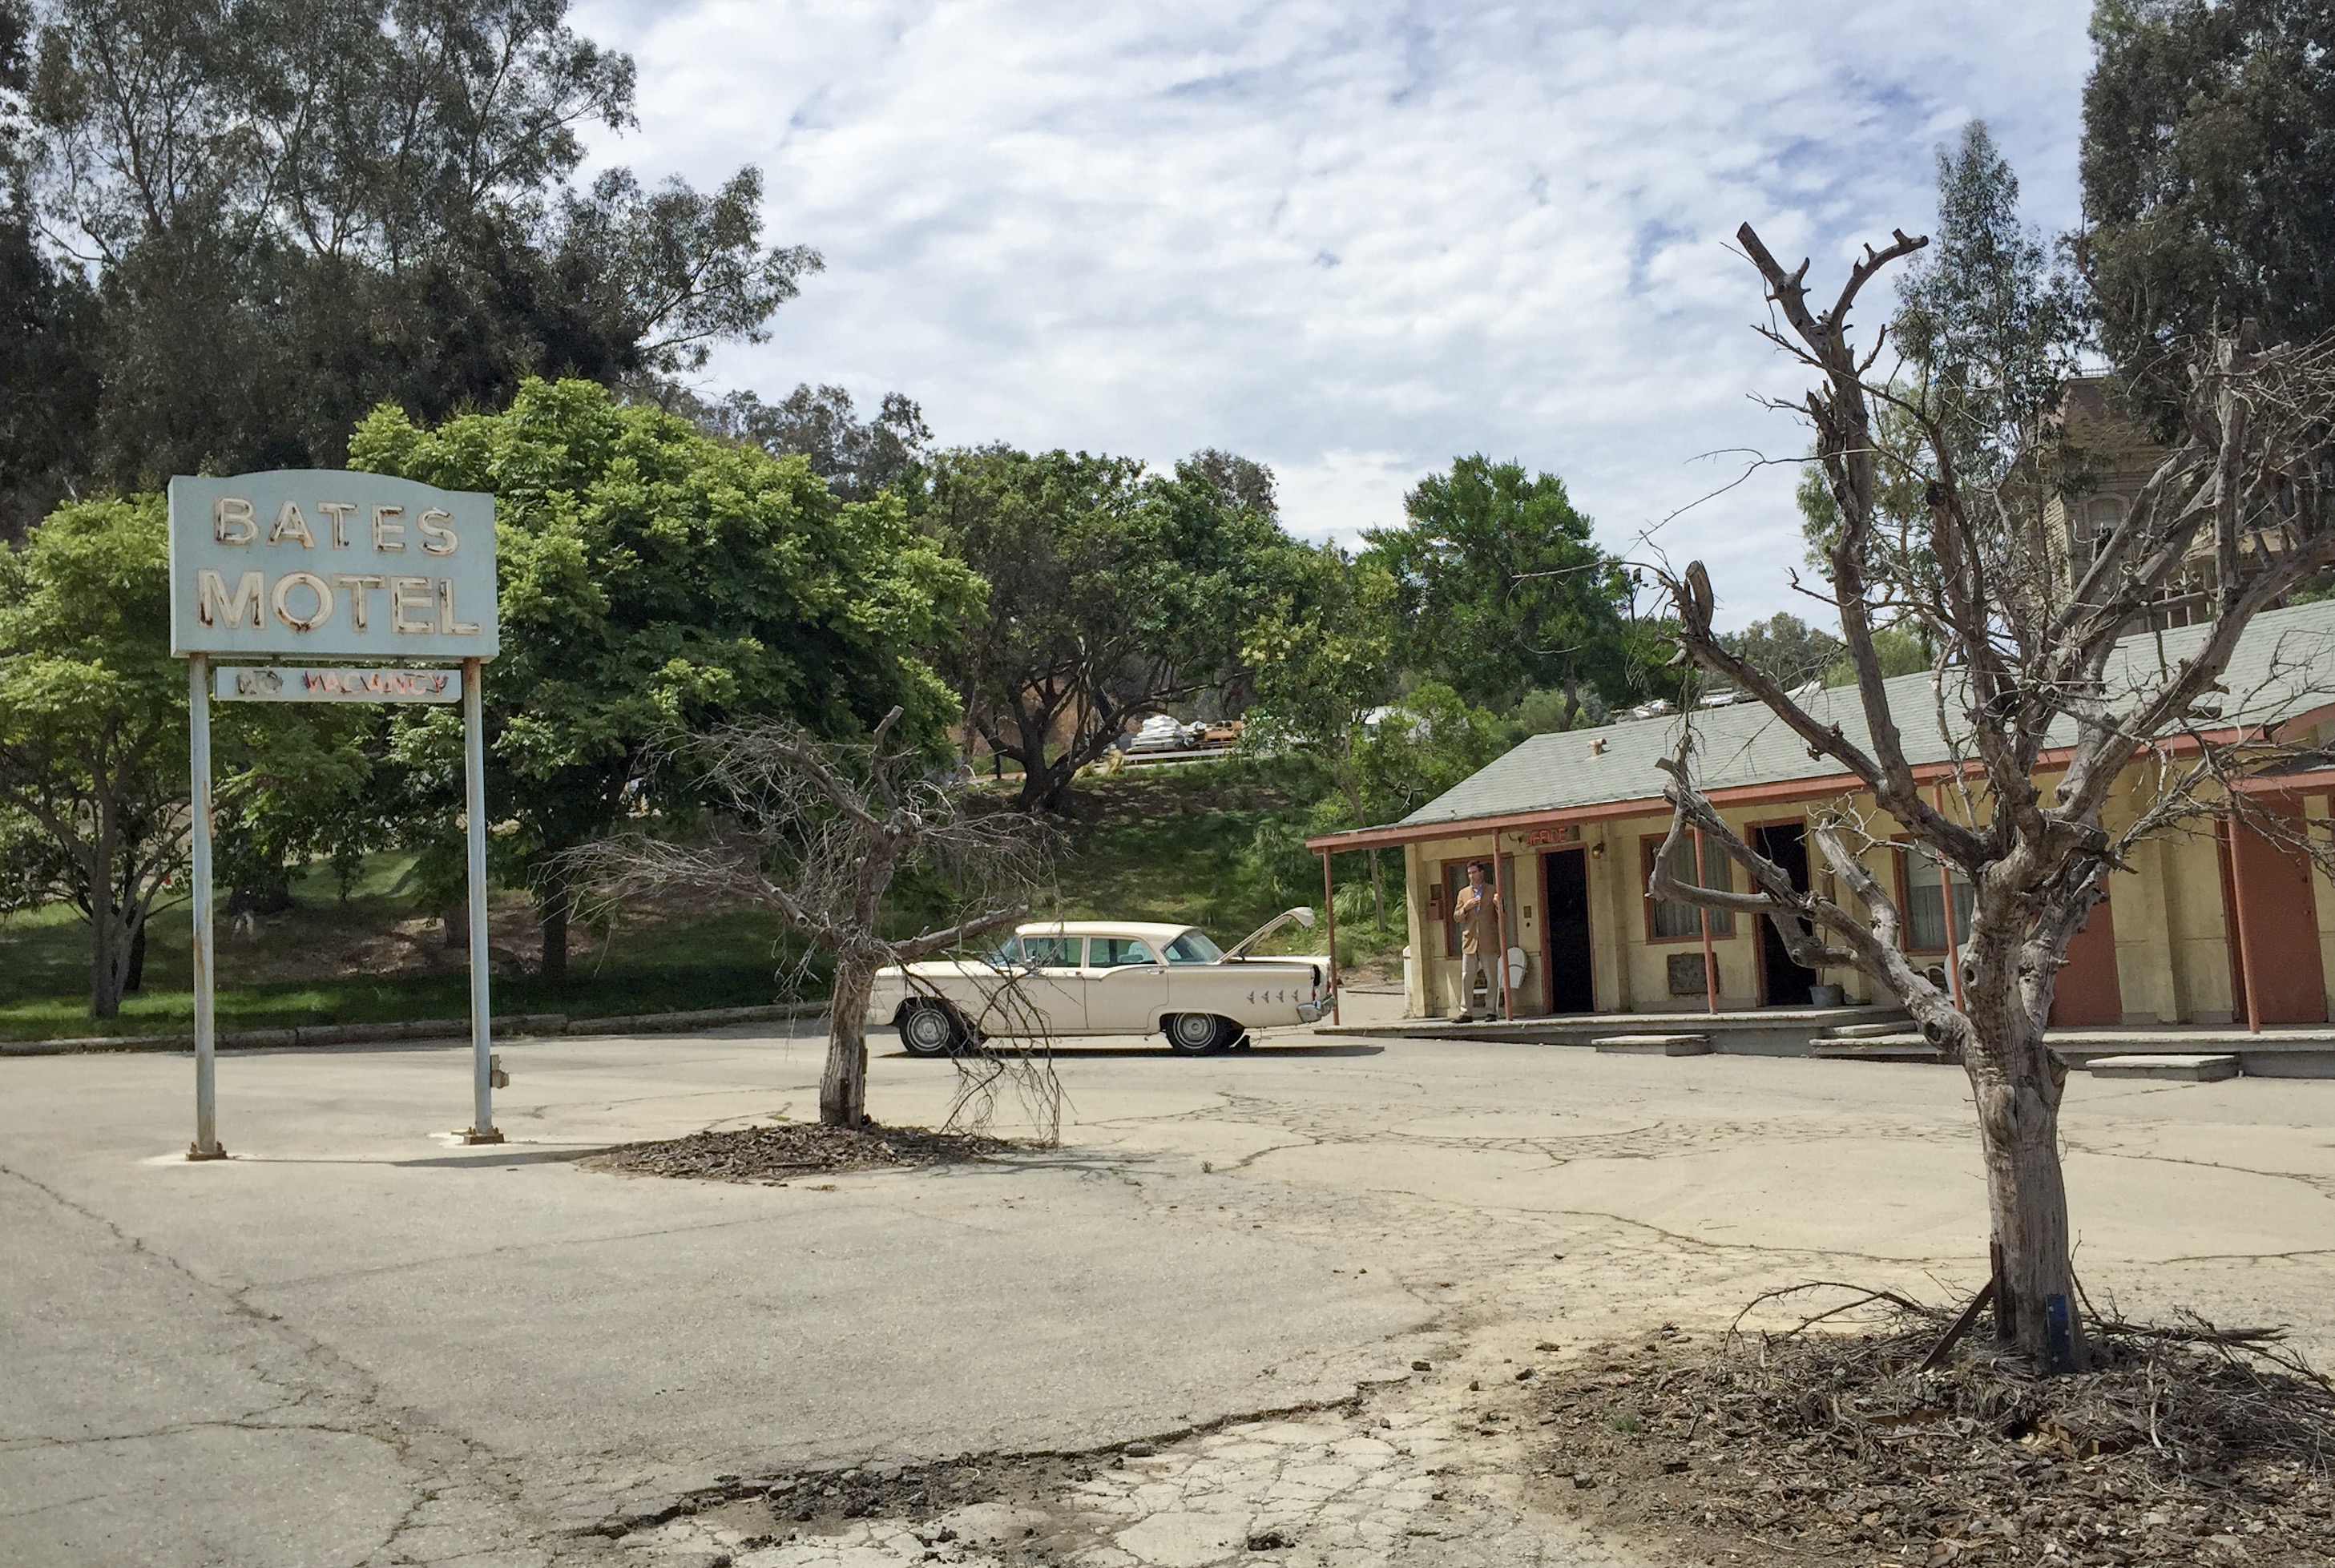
1192, 948
1051, 952
1117, 951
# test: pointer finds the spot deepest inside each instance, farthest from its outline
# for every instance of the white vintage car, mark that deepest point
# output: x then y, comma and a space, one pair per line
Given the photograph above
1063, 978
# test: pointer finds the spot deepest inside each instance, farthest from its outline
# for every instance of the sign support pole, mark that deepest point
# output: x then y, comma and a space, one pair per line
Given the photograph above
198, 746
474, 781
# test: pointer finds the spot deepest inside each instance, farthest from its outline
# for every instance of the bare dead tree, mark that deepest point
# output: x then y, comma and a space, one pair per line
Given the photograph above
817, 832
2048, 705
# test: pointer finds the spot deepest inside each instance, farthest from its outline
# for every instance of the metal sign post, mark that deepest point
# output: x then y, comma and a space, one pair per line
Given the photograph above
474, 789
298, 565
199, 745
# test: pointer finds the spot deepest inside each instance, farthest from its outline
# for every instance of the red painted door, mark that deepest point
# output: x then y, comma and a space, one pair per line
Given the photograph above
2086, 995
2277, 925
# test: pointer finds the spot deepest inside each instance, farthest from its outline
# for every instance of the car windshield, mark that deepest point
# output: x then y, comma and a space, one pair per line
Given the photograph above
1194, 947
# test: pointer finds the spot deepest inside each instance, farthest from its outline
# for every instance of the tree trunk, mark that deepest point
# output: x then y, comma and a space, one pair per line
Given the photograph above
554, 933
843, 1089
104, 965
1047, 788
2018, 1085
135, 979
457, 926
1354, 793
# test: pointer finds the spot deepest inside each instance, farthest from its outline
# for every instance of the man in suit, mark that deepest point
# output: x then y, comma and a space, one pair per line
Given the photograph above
1477, 911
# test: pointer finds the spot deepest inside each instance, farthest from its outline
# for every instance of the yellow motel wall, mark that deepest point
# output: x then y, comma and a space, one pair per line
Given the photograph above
2174, 959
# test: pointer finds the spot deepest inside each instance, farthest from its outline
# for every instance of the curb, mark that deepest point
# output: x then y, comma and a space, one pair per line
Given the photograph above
318, 1034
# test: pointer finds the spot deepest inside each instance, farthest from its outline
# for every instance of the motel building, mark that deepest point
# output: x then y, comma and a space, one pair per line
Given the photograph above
2211, 925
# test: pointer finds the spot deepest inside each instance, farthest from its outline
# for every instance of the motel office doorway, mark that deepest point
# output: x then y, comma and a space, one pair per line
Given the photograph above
1565, 882
1783, 982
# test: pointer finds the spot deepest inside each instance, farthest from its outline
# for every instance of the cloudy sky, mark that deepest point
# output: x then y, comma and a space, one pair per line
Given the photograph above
1351, 240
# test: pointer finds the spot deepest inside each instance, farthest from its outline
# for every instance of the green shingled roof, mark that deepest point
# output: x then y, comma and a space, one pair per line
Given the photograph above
2284, 665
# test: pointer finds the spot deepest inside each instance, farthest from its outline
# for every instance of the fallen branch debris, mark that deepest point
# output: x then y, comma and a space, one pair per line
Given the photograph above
797, 1148
2185, 1444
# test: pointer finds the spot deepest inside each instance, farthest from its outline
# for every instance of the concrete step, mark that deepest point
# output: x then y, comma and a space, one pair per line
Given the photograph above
1895, 1046
2182, 1069
1654, 1045
1865, 1031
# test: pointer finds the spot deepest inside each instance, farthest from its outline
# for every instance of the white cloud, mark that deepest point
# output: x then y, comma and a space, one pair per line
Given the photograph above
1351, 241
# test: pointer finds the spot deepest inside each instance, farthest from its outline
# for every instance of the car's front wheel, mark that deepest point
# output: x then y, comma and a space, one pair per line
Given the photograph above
1198, 1033
929, 1028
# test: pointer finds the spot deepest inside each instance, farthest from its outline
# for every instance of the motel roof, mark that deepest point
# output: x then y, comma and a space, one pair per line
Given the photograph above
2283, 668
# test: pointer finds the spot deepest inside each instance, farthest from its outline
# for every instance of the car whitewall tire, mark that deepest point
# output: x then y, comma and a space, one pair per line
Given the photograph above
1198, 1033
929, 1029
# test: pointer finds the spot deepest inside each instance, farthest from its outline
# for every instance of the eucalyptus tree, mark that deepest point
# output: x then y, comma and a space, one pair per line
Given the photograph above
291, 212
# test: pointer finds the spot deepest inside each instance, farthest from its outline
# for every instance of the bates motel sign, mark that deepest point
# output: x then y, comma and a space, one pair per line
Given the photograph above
324, 565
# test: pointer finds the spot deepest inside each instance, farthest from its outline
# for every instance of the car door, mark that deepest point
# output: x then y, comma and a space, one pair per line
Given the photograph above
1047, 992
1127, 985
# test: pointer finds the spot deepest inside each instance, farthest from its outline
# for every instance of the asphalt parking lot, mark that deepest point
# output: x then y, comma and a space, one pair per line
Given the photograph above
359, 1342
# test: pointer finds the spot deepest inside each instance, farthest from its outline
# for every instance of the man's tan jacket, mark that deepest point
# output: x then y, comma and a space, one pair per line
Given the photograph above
1478, 914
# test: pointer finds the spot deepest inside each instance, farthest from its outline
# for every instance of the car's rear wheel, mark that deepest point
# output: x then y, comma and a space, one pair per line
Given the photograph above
1198, 1033
929, 1028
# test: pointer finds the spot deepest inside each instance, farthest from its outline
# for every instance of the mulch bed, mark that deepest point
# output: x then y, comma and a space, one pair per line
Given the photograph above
793, 1148
1825, 1448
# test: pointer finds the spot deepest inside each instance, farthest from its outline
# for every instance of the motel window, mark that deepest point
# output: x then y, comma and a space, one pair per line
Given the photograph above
1669, 922
1925, 910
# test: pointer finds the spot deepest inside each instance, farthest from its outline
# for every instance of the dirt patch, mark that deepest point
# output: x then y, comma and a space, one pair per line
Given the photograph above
798, 1149
1827, 1448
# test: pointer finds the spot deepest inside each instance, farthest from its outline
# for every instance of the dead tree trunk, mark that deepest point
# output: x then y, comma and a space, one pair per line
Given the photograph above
815, 831
2043, 667
843, 1087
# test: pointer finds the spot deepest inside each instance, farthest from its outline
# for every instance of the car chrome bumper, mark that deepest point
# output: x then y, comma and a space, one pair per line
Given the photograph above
1316, 1011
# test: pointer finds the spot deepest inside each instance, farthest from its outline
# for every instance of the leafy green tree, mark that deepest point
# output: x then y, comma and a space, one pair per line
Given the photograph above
2209, 172
1112, 593
1785, 649
1425, 744
856, 458
654, 579
47, 326
1989, 326
1503, 590
1322, 660
93, 726
294, 212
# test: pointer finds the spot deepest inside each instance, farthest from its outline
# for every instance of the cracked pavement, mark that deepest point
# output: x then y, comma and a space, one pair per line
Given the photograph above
357, 1344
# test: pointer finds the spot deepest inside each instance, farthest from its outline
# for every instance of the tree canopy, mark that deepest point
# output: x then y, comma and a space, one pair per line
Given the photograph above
1113, 592
93, 725
2209, 174
285, 214
1502, 589
654, 579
